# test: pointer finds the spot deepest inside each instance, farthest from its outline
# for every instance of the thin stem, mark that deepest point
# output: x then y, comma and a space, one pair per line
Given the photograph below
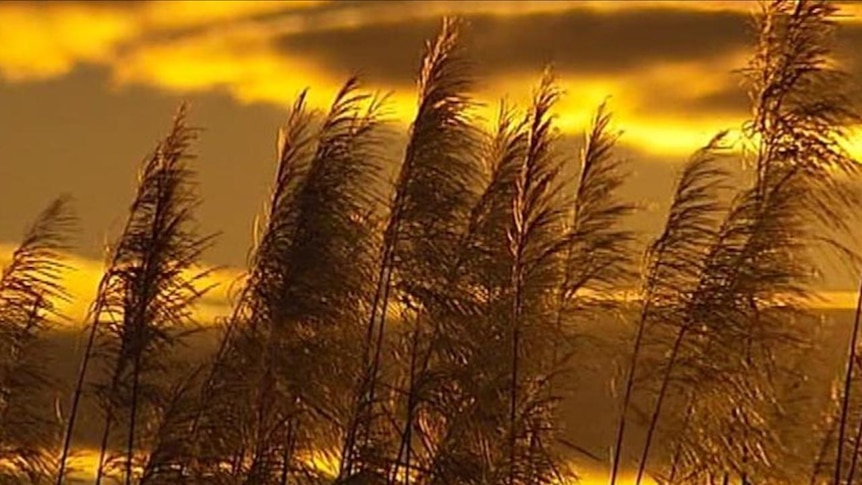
406, 447
381, 294
674, 464
109, 416
517, 281
665, 385
852, 361
288, 451
130, 446
621, 426
845, 400
76, 398
513, 395
103, 445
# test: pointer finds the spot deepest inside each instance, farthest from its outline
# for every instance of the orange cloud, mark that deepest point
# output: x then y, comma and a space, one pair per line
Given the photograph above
245, 65
248, 68
44, 41
41, 41
251, 71
229, 46
194, 13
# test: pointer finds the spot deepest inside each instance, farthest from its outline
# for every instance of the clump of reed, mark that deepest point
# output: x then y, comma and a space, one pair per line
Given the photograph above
426, 330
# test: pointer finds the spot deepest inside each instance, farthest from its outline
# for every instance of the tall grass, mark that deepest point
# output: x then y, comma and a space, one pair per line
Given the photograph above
756, 276
426, 331
30, 289
846, 391
143, 308
428, 210
289, 353
674, 261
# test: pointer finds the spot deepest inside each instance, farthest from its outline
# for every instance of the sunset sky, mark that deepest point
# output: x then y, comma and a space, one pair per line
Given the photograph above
86, 89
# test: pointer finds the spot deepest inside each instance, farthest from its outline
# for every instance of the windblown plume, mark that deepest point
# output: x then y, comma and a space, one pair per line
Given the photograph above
30, 288
675, 261
220, 429
537, 217
143, 306
597, 262
300, 309
758, 275
598, 258
433, 195
450, 393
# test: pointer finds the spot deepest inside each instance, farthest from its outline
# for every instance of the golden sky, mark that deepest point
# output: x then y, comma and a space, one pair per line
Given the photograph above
87, 88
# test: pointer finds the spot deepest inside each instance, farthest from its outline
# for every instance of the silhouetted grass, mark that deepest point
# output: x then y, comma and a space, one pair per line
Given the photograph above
427, 332
30, 287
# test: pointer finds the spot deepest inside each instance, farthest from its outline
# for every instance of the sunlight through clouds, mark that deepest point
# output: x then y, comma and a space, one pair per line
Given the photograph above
40, 42
194, 13
86, 462
237, 48
82, 279
248, 69
231, 46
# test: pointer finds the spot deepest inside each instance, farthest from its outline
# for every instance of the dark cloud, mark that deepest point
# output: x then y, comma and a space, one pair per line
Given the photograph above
72, 135
578, 41
732, 98
730, 101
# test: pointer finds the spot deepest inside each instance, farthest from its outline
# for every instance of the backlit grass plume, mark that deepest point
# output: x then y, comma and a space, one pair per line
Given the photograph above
432, 330
30, 289
454, 392
432, 197
143, 306
536, 217
674, 262
299, 314
220, 429
758, 274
